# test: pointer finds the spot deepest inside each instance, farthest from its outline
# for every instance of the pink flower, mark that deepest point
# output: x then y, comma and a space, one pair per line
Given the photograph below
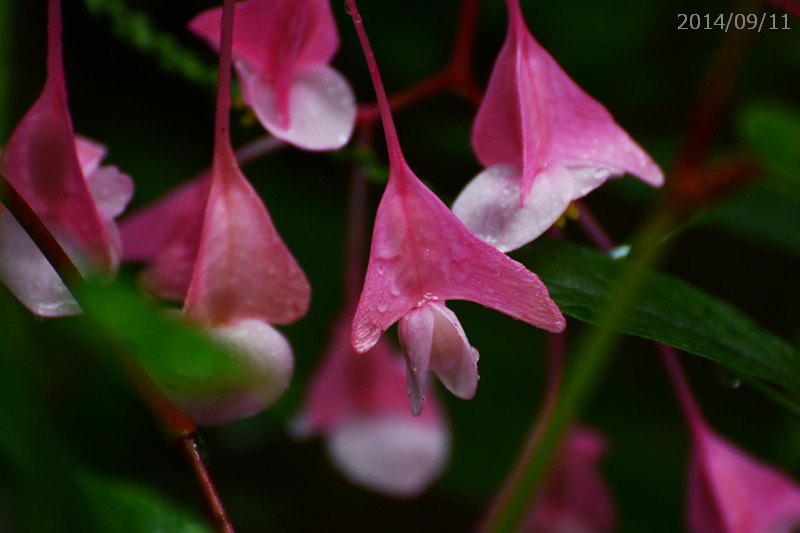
544, 142
359, 403
422, 256
222, 255
731, 492
575, 498
281, 50
60, 177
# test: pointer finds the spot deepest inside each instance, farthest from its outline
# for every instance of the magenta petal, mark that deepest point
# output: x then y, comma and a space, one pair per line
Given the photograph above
41, 162
149, 231
732, 492
243, 268
422, 252
534, 116
321, 105
575, 497
90, 154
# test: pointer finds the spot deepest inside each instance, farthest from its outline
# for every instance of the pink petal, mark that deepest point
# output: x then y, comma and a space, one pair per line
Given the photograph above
321, 106
575, 497
149, 231
390, 454
433, 339
41, 162
732, 492
111, 190
422, 252
268, 359
489, 204
90, 154
243, 268
534, 116
28, 275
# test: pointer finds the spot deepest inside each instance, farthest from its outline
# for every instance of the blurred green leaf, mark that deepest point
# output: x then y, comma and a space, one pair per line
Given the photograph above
125, 507
666, 310
176, 356
772, 131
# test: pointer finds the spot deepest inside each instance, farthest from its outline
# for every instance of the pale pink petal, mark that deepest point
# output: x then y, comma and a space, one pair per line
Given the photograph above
421, 251
150, 230
732, 492
321, 106
243, 268
416, 329
489, 205
90, 153
390, 454
28, 275
452, 358
534, 116
269, 365
111, 190
575, 497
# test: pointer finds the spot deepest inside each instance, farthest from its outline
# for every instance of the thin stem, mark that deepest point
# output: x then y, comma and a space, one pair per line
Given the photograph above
357, 220
687, 400
190, 448
257, 148
593, 229
222, 117
55, 63
393, 143
556, 350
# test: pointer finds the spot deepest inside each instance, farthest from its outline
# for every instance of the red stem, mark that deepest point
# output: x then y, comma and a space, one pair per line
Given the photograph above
682, 389
191, 450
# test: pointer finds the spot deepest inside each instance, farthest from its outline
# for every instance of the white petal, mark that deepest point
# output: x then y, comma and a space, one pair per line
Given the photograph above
322, 108
490, 204
111, 190
28, 275
393, 455
267, 355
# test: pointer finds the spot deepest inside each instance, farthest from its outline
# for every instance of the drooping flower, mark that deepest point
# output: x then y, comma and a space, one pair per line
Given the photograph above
359, 403
281, 50
730, 491
422, 256
544, 142
575, 497
220, 252
61, 179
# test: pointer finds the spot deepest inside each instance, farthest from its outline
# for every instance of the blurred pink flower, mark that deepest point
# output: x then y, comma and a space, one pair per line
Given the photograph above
221, 254
359, 403
281, 50
575, 498
544, 141
61, 179
731, 492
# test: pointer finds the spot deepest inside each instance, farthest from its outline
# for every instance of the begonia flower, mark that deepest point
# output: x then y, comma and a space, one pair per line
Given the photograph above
220, 253
421, 256
575, 497
281, 50
544, 142
60, 177
730, 491
359, 403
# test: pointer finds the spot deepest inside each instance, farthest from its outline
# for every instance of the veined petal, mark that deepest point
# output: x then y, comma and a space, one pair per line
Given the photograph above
421, 252
489, 205
243, 268
321, 107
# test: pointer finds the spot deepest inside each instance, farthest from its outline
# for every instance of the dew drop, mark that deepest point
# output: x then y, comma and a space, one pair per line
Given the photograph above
728, 380
382, 306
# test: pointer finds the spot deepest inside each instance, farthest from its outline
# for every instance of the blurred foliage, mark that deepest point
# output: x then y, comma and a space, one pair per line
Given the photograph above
65, 409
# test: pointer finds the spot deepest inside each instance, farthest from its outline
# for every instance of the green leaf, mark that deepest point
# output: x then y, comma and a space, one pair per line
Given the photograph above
666, 310
177, 357
126, 507
772, 130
